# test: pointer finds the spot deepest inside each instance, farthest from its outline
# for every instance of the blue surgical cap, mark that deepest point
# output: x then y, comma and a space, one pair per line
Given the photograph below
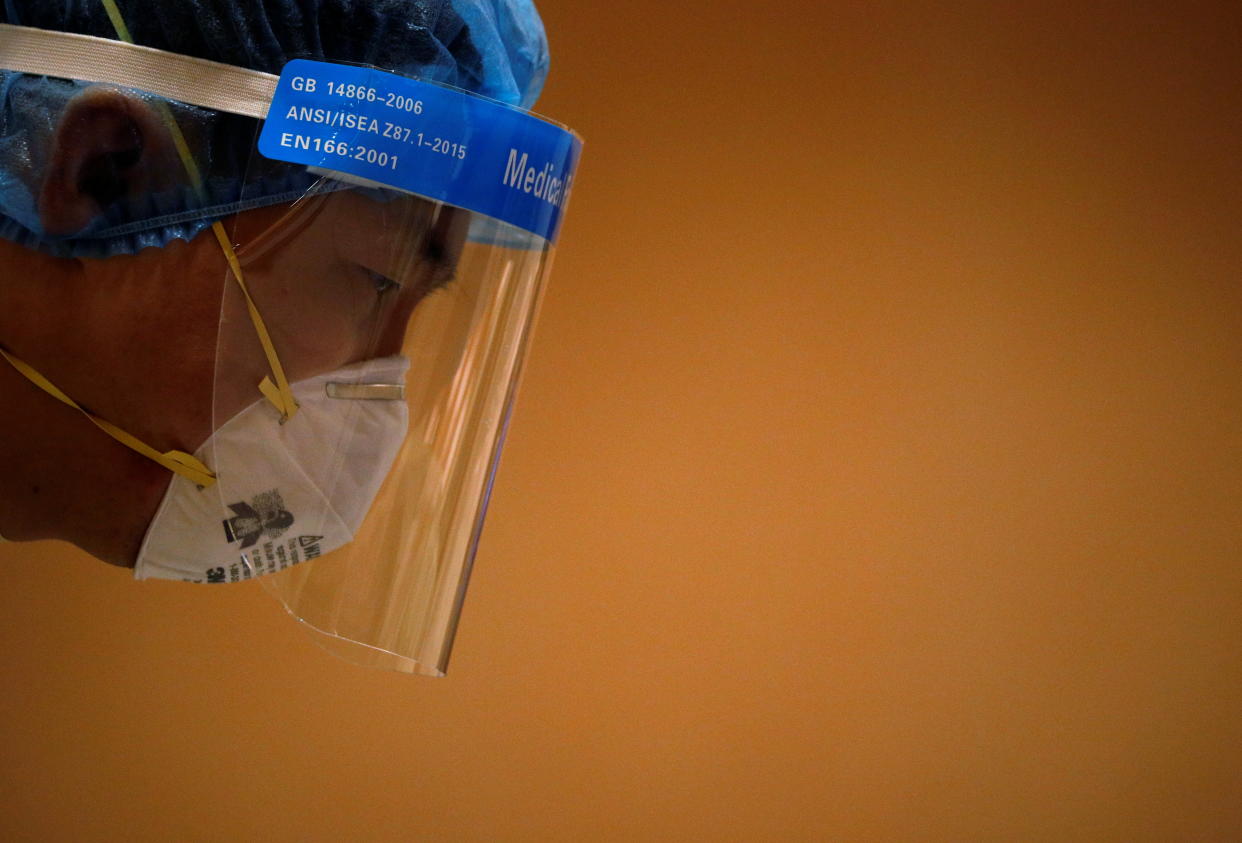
495, 48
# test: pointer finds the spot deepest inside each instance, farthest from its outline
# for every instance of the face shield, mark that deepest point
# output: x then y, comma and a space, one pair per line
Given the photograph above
377, 267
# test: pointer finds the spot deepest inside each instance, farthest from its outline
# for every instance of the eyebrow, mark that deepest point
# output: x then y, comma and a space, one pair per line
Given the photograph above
437, 250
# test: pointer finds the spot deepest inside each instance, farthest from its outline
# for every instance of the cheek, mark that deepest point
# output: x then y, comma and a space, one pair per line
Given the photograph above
314, 290
396, 312
324, 318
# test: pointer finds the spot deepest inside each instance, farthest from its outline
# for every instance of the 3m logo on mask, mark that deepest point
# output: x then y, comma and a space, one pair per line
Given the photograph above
264, 516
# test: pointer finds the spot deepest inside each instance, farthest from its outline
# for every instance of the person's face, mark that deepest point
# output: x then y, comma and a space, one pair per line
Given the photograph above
161, 343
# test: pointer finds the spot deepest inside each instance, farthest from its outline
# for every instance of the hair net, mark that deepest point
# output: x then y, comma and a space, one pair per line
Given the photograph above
495, 48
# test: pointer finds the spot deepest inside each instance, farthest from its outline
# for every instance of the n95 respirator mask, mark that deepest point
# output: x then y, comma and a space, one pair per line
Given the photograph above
286, 492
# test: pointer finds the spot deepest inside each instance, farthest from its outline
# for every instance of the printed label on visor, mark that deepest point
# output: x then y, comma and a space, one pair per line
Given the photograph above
424, 138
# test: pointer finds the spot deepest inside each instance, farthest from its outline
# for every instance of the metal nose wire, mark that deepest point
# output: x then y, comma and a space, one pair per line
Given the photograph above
365, 391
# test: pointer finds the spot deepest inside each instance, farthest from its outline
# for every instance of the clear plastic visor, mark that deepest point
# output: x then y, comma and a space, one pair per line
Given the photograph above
401, 323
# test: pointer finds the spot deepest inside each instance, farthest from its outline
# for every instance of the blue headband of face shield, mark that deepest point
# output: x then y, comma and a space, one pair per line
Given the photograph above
495, 48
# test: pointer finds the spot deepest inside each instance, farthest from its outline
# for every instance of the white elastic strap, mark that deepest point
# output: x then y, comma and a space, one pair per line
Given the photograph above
208, 84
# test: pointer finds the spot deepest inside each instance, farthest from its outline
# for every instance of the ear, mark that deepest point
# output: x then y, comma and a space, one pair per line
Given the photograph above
109, 145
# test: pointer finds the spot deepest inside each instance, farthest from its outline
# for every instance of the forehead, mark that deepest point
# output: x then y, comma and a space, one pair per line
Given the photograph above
384, 230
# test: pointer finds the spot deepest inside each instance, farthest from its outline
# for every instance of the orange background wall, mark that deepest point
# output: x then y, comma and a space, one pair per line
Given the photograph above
876, 477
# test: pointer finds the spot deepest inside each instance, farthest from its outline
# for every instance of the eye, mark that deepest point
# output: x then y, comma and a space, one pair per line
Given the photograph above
383, 283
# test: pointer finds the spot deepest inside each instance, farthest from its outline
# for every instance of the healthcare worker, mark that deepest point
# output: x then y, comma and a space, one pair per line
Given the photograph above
267, 273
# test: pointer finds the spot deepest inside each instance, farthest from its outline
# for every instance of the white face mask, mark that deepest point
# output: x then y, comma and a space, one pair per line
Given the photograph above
286, 492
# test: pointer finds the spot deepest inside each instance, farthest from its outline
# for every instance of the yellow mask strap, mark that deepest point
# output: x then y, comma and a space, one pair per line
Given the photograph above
178, 462
279, 394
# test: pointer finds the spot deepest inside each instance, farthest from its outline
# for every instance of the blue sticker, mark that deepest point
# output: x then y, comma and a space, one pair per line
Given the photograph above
425, 138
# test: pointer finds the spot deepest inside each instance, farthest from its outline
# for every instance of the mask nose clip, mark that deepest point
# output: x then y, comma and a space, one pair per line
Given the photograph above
365, 391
